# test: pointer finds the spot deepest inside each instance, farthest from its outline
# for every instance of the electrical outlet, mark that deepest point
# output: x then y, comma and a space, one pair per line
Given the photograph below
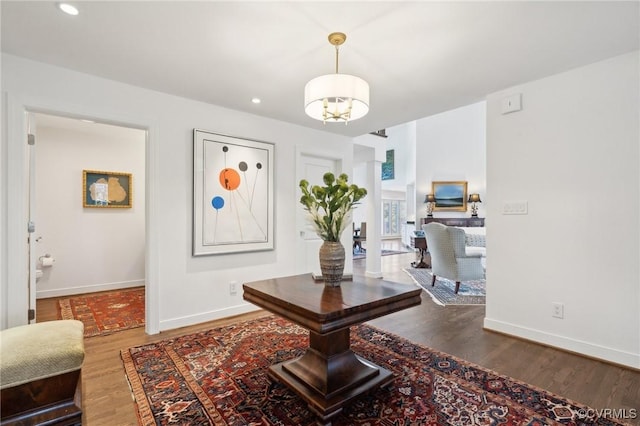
233, 287
557, 310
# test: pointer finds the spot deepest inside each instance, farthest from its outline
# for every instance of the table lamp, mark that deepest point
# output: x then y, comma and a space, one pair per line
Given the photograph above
474, 199
430, 200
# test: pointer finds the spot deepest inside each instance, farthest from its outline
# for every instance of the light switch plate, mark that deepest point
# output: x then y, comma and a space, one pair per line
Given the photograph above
512, 103
515, 207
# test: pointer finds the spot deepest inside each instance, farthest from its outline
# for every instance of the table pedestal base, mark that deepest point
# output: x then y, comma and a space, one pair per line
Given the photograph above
422, 263
329, 374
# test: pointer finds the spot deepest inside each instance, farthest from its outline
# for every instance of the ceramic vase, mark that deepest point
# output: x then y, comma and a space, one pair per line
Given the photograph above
332, 262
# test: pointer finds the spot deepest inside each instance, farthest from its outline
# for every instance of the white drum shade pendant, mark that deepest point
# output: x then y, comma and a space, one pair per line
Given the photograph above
336, 97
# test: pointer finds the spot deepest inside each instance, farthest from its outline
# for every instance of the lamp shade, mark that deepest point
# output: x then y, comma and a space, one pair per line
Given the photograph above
430, 198
474, 198
338, 97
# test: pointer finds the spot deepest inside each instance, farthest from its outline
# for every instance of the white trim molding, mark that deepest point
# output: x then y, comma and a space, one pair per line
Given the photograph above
16, 260
561, 342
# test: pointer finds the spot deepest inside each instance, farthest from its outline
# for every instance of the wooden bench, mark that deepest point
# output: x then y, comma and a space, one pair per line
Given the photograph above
40, 367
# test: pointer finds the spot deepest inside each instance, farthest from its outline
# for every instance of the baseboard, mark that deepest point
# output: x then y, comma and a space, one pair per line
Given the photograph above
172, 323
603, 353
70, 291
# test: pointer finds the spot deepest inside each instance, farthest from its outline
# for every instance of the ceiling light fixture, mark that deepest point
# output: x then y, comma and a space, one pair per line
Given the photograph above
256, 100
336, 97
68, 9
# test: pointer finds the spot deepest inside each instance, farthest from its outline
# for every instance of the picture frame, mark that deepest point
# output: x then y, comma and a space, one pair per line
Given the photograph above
102, 189
450, 195
388, 167
233, 195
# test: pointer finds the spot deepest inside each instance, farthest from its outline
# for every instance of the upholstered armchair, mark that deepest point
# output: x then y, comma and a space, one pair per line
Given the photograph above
449, 258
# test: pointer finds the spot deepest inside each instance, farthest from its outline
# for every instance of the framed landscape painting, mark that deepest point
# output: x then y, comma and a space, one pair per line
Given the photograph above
106, 189
450, 195
233, 199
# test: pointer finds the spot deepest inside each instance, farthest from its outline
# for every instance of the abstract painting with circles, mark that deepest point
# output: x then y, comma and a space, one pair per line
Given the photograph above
233, 194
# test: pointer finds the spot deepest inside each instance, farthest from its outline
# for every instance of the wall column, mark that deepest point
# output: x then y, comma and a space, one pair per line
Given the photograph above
374, 219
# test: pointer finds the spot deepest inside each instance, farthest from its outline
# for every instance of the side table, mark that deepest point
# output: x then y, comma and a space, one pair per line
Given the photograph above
421, 244
329, 375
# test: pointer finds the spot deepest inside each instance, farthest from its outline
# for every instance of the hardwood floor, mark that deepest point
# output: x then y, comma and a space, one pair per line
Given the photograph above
456, 330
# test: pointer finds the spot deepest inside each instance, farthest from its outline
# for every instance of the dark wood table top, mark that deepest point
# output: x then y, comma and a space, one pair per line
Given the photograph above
325, 309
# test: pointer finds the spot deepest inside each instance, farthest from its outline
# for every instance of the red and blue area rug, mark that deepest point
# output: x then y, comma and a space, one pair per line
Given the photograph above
218, 377
106, 312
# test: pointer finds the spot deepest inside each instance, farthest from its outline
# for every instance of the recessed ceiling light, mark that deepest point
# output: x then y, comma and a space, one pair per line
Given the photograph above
68, 9
256, 100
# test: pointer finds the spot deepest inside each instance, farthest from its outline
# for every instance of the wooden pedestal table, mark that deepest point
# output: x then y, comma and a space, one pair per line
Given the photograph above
329, 374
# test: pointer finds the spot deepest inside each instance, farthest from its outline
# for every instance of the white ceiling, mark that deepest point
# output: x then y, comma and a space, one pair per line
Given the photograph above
420, 58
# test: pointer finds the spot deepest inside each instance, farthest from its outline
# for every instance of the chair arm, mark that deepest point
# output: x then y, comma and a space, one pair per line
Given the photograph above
475, 251
470, 256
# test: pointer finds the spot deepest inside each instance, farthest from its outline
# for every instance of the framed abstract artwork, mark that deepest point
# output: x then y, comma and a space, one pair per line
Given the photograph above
388, 167
233, 199
450, 195
106, 189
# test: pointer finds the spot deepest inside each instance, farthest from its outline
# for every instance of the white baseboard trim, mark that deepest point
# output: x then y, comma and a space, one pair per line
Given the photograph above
561, 342
70, 291
172, 323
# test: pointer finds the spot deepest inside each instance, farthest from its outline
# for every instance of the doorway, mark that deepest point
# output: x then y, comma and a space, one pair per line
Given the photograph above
80, 249
311, 167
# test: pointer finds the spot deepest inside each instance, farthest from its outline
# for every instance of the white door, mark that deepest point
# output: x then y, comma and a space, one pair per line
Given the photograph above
31, 224
311, 168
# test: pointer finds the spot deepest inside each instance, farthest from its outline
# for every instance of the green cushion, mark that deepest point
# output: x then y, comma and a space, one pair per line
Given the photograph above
37, 351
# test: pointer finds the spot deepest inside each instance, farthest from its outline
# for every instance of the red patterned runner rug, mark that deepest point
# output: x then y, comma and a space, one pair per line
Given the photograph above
106, 312
218, 377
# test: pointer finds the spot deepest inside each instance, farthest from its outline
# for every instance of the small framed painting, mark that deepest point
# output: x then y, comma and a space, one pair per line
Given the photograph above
388, 167
450, 195
106, 189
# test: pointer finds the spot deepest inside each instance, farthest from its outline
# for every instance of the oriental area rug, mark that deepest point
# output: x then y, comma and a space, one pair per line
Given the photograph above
219, 377
106, 312
443, 293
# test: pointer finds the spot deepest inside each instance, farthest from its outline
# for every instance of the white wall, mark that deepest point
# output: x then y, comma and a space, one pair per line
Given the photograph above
4, 277
451, 147
94, 249
366, 150
409, 145
362, 154
181, 289
573, 154
399, 140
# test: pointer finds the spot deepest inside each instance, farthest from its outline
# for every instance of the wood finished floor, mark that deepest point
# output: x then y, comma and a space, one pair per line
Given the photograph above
456, 330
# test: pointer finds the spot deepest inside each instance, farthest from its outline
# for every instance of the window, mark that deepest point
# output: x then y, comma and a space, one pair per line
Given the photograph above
394, 213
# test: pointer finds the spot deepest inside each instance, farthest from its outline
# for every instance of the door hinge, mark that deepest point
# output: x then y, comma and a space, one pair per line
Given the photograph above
31, 139
31, 314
